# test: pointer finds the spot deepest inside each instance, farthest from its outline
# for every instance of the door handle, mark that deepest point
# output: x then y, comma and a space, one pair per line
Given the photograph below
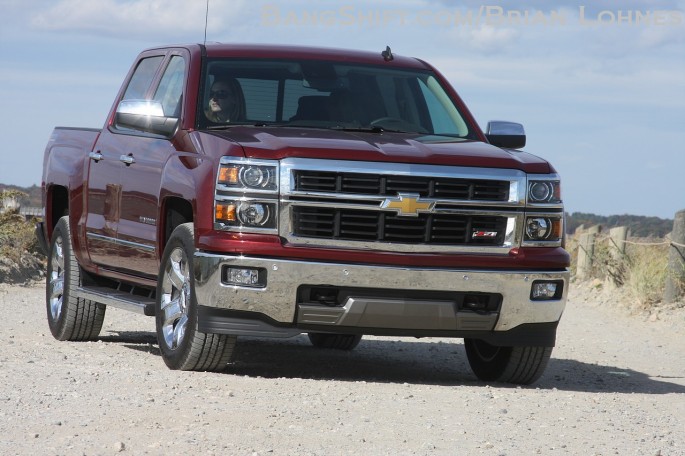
95, 156
127, 159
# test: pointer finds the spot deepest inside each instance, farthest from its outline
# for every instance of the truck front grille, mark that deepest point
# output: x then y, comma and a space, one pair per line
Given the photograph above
375, 226
400, 207
389, 185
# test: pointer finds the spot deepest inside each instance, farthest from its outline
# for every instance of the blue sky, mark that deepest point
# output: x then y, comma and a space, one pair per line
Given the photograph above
598, 84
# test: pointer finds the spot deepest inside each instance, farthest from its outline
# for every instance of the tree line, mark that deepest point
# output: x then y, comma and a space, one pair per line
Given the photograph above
639, 225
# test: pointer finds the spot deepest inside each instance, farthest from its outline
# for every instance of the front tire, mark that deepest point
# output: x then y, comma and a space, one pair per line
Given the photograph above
183, 347
69, 317
521, 365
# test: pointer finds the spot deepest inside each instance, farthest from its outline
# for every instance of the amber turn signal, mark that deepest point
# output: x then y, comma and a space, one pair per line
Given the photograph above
228, 175
225, 212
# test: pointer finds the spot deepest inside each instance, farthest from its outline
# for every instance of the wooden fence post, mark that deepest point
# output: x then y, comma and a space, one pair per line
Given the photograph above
676, 259
595, 229
617, 249
586, 250
617, 241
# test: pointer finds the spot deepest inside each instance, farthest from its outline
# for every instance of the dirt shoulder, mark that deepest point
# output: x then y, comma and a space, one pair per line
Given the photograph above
615, 385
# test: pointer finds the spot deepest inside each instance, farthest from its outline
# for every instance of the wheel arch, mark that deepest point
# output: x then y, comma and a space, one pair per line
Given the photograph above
56, 206
175, 211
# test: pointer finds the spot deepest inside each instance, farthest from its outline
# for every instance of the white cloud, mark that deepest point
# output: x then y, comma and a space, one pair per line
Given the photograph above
656, 37
164, 19
486, 38
26, 77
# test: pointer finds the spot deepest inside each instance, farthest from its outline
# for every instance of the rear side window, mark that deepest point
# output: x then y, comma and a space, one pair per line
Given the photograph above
142, 78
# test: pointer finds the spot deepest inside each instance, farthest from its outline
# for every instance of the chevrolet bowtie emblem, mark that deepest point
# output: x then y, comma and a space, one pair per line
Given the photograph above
408, 204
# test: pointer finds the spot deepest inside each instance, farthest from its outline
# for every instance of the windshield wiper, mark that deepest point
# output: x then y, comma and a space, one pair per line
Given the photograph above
241, 124
372, 129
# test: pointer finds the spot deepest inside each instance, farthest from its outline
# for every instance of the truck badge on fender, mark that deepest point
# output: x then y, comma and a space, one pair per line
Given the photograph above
408, 204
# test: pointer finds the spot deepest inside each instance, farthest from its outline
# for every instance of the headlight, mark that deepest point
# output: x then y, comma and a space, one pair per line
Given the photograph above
249, 176
544, 228
254, 214
544, 192
544, 221
249, 214
247, 195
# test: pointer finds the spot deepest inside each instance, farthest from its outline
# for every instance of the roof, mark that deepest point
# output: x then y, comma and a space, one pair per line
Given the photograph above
309, 52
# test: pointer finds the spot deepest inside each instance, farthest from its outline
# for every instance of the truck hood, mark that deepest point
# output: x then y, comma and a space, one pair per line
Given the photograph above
278, 142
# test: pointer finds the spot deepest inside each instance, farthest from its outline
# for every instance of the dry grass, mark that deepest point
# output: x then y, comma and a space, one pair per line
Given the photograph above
20, 256
646, 272
642, 269
17, 237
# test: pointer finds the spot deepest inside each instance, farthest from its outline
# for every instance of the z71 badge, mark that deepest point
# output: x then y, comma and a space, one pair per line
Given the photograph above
484, 234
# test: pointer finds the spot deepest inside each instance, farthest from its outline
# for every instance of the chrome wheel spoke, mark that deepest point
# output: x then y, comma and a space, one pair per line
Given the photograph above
60, 258
56, 285
176, 273
172, 311
56, 296
174, 301
180, 331
56, 308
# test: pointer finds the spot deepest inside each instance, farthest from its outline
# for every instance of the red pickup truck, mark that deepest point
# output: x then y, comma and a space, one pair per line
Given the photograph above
270, 191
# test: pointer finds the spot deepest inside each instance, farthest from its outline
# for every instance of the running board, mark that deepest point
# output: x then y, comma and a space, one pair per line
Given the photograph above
120, 299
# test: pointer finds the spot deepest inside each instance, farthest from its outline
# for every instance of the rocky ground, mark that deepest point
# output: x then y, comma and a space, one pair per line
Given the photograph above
615, 386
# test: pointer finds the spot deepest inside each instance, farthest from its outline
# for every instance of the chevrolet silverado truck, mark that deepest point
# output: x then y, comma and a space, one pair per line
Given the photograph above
273, 191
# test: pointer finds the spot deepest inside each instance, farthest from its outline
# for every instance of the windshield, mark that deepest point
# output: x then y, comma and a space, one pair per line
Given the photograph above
322, 94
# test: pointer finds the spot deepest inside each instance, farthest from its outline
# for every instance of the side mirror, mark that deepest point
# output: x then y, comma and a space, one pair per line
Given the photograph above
145, 115
509, 135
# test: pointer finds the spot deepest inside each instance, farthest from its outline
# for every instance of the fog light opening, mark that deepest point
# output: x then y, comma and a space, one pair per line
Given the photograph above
245, 277
544, 290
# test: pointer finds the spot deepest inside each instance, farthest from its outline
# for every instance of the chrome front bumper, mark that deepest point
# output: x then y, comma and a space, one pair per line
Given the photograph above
277, 302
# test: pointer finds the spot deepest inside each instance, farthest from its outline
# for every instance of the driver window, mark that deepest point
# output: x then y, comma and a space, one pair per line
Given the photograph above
170, 87
142, 78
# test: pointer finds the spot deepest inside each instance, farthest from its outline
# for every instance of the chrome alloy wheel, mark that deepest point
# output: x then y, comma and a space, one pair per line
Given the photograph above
175, 299
56, 274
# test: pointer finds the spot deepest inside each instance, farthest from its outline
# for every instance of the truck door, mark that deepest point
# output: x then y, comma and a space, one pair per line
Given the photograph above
141, 178
103, 189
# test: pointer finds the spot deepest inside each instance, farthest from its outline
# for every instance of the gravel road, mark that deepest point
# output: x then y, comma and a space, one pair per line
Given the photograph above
615, 385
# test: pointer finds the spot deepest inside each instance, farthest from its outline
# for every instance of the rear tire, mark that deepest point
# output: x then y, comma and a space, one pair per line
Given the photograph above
183, 347
69, 317
521, 365
335, 341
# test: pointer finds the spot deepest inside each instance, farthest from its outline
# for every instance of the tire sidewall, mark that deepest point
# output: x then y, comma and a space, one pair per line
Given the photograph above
488, 368
58, 326
182, 237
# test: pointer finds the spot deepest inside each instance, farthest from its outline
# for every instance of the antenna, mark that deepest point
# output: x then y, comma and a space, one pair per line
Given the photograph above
387, 54
206, 19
